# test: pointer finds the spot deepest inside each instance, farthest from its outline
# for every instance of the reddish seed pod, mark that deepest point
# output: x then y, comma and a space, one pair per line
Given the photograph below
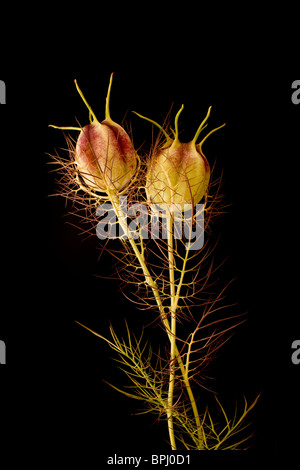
105, 157
104, 153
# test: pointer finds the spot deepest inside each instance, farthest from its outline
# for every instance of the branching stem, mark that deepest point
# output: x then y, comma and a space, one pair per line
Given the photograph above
168, 287
175, 355
173, 327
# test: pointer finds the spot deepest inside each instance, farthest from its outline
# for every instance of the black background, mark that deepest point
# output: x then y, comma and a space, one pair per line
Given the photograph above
52, 386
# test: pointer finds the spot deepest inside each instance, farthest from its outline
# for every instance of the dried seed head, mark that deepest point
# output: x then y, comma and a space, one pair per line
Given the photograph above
104, 154
178, 173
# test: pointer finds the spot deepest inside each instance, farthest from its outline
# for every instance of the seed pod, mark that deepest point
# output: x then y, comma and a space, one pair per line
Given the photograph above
178, 173
104, 155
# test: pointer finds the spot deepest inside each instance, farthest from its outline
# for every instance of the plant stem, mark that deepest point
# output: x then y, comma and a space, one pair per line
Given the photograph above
148, 278
153, 285
175, 355
174, 350
173, 327
200, 433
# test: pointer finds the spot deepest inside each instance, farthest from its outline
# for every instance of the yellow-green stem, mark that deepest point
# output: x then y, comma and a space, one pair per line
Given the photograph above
173, 328
186, 380
151, 282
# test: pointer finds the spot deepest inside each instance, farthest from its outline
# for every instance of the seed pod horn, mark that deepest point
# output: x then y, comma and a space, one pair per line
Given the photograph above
178, 173
104, 155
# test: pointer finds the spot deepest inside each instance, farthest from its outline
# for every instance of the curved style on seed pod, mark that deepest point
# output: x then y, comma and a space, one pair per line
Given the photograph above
105, 157
178, 173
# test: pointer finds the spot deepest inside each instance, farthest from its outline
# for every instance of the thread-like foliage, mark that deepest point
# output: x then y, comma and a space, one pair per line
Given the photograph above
165, 276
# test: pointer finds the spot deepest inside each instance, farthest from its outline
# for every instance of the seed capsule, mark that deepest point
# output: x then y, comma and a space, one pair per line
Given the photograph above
104, 154
178, 173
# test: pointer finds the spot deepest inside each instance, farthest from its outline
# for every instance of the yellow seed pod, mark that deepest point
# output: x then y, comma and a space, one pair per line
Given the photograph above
178, 173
